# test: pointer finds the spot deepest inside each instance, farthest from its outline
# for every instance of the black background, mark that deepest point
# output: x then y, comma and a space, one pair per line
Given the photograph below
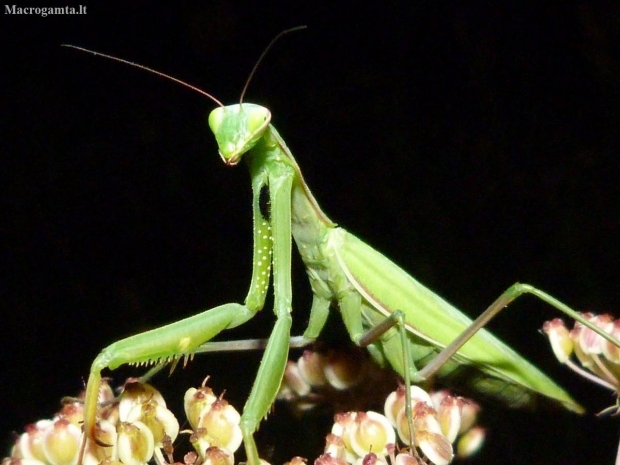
474, 145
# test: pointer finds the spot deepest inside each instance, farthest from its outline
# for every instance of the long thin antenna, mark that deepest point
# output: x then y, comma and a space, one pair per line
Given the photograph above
260, 59
145, 68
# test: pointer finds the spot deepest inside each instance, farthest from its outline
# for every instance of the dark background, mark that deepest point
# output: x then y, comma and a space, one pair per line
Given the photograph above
474, 145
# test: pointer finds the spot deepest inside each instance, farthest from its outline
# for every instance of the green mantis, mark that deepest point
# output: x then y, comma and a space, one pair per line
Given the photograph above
404, 324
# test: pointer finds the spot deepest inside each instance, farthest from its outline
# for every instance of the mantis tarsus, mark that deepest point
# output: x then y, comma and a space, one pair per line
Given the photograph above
402, 323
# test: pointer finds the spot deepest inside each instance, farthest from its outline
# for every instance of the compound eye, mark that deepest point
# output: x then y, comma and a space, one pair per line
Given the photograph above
258, 118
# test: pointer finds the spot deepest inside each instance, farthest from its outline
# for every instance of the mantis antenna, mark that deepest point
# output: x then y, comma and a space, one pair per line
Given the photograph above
260, 58
183, 83
146, 68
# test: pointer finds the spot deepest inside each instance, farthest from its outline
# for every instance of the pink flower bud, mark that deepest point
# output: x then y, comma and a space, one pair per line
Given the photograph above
559, 338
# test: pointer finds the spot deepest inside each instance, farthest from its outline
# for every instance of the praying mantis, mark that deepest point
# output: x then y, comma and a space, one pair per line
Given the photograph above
401, 322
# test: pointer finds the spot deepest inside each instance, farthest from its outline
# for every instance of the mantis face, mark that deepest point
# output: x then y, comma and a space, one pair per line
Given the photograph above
237, 128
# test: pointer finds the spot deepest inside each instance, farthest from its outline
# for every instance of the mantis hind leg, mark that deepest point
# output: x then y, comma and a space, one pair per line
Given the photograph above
510, 294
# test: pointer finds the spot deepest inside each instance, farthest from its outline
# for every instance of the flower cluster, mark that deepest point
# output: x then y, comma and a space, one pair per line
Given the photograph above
438, 419
344, 379
599, 357
215, 422
132, 429
136, 427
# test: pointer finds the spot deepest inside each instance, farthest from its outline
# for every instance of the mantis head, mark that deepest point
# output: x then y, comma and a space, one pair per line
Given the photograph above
237, 128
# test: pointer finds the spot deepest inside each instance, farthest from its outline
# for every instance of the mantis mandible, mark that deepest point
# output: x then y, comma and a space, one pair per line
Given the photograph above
401, 322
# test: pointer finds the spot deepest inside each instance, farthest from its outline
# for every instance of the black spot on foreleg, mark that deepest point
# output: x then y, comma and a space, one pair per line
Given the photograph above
264, 203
